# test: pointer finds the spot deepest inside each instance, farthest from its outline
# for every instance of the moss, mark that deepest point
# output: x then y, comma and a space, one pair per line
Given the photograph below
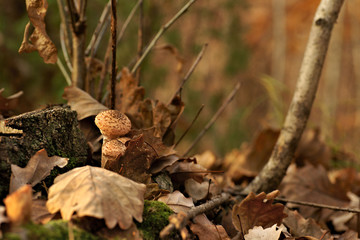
155, 218
56, 229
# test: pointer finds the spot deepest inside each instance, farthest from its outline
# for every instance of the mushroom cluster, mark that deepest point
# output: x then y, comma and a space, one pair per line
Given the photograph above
113, 124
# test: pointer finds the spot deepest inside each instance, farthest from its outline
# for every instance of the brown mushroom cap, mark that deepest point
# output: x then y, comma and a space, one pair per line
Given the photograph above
113, 149
113, 123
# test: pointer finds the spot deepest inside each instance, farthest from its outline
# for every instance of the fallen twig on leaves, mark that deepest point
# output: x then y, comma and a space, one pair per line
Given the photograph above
179, 221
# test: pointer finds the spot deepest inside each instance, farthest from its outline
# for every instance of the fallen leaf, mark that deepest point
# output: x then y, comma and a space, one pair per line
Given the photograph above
162, 162
185, 169
177, 202
300, 227
206, 159
81, 102
258, 233
206, 230
311, 184
37, 169
39, 40
257, 210
39, 213
348, 235
197, 191
8, 103
132, 233
96, 192
18, 205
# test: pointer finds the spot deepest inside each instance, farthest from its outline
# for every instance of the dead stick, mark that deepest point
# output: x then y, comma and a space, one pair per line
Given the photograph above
160, 33
140, 38
191, 124
296, 119
127, 21
214, 118
191, 70
180, 220
113, 47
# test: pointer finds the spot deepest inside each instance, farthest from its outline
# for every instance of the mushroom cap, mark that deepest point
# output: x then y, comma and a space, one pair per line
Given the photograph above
113, 149
113, 123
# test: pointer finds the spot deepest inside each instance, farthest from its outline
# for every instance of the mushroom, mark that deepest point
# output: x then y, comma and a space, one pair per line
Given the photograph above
111, 150
112, 124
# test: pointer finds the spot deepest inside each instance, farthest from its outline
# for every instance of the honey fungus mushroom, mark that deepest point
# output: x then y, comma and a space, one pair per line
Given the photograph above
111, 150
112, 124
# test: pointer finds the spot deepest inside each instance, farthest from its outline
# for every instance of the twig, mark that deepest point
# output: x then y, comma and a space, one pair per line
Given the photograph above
63, 71
160, 33
191, 124
140, 37
191, 70
273, 172
180, 220
127, 21
215, 117
64, 48
113, 48
64, 15
100, 26
82, 10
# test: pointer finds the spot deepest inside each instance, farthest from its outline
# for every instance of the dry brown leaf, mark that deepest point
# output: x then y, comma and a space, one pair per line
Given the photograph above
39, 40
39, 213
8, 103
197, 191
206, 230
258, 233
257, 210
96, 192
160, 163
37, 169
312, 184
174, 51
177, 201
18, 205
348, 235
129, 95
185, 169
81, 102
347, 179
206, 159
131, 233
299, 226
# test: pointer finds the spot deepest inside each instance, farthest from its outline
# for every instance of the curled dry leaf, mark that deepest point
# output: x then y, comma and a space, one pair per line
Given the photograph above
257, 210
206, 230
39, 40
81, 102
8, 103
182, 170
206, 159
18, 205
258, 233
177, 202
99, 193
196, 190
37, 169
39, 213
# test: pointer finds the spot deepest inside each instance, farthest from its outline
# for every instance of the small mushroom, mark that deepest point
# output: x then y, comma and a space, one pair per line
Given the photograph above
110, 152
112, 124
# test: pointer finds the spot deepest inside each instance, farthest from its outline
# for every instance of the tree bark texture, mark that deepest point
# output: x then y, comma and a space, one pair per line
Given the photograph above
273, 172
55, 129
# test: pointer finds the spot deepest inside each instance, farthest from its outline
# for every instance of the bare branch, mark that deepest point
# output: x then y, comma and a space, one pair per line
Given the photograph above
127, 21
215, 117
271, 175
160, 33
113, 48
63, 71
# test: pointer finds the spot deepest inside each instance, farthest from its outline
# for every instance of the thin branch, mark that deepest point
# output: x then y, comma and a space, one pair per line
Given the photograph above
140, 37
215, 117
296, 119
73, 13
191, 70
66, 28
100, 26
63, 71
113, 48
127, 21
82, 10
64, 48
160, 33
191, 124
179, 221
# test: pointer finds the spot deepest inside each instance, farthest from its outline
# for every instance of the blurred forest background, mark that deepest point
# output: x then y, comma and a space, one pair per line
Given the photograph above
258, 42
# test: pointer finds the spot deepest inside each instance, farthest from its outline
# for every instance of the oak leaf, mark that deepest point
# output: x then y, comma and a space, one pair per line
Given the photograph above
204, 229
177, 201
37, 169
18, 205
39, 40
257, 210
258, 233
81, 102
97, 192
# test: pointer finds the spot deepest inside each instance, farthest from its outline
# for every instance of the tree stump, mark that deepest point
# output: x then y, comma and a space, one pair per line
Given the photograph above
54, 129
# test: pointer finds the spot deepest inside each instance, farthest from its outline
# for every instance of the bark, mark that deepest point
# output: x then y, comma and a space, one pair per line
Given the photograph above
273, 172
55, 129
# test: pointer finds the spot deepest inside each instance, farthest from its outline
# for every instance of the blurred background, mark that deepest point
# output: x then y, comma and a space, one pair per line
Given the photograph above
258, 42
